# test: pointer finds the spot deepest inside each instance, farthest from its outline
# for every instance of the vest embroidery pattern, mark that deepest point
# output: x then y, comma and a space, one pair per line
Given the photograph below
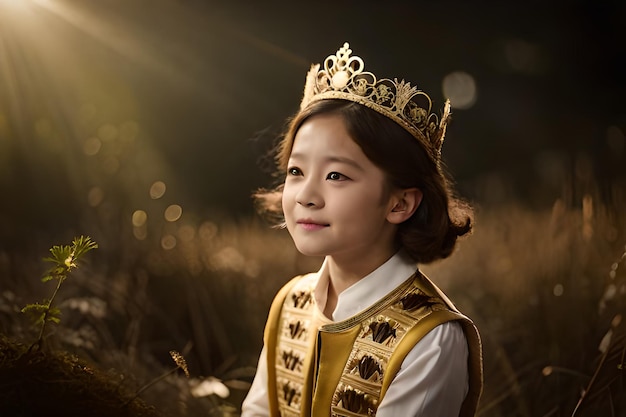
294, 339
359, 389
381, 328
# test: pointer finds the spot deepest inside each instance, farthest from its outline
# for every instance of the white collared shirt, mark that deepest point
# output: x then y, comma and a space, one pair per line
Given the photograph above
433, 379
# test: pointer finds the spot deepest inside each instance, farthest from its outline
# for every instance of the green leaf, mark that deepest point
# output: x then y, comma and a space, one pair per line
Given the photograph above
60, 253
82, 245
54, 312
35, 308
36, 311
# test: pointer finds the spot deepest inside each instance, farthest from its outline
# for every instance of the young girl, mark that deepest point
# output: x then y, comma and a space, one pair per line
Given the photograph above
368, 334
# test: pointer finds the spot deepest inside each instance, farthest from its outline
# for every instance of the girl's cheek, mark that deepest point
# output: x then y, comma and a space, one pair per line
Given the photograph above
287, 196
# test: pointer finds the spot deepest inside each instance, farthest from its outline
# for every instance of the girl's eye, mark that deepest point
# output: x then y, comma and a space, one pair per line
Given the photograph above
335, 176
294, 171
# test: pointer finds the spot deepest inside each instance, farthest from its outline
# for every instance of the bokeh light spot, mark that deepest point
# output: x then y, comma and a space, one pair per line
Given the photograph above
207, 231
92, 146
186, 233
228, 258
140, 233
168, 242
107, 132
525, 57
139, 218
95, 196
157, 190
610, 292
173, 213
558, 290
460, 88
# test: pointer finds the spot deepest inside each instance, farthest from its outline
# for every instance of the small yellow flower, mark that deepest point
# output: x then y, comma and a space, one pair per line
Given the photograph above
69, 262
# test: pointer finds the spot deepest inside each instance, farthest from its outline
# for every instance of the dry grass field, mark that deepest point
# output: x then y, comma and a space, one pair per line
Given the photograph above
547, 289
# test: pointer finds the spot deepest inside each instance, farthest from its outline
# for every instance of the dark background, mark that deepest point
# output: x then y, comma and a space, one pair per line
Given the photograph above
208, 85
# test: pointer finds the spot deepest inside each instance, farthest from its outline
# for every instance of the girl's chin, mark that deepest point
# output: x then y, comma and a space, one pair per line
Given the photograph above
307, 250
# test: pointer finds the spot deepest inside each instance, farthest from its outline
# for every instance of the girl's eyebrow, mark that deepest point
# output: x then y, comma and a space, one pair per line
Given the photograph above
339, 159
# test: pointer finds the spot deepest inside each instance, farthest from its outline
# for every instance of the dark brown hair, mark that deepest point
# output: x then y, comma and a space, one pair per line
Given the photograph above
431, 233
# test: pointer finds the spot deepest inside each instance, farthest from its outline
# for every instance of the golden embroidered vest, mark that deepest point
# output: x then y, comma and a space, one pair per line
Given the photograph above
321, 368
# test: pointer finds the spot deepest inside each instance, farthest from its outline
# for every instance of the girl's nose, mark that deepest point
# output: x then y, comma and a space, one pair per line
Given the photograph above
308, 195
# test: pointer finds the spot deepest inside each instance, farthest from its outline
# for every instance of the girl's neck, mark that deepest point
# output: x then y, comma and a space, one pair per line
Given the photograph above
344, 274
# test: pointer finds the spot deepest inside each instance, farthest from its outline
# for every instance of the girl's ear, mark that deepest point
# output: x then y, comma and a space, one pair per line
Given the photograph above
405, 202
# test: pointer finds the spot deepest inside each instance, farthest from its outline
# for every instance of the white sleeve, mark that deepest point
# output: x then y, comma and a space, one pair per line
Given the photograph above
433, 379
256, 403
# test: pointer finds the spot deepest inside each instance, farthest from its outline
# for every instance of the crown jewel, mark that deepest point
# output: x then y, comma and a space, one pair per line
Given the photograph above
343, 77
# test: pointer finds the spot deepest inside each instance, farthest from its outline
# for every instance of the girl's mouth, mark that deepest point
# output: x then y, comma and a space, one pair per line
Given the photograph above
308, 224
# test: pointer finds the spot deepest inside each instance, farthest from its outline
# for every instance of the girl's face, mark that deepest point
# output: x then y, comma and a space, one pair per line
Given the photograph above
335, 200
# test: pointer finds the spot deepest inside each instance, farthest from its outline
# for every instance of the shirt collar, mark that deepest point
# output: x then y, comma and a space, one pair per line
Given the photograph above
368, 289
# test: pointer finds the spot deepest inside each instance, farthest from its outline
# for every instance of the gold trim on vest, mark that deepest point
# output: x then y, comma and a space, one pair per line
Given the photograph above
352, 355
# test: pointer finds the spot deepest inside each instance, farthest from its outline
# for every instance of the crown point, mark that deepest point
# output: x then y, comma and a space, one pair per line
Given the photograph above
340, 79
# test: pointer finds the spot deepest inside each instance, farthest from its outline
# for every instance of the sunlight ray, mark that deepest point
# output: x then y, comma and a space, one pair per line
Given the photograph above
109, 34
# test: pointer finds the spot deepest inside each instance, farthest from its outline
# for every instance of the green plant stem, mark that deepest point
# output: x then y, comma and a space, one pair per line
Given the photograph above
39, 341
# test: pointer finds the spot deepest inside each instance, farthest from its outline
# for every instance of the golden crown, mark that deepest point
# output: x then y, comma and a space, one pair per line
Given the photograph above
343, 78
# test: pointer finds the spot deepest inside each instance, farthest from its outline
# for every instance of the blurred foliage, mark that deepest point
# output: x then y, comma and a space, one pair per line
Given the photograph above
542, 288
